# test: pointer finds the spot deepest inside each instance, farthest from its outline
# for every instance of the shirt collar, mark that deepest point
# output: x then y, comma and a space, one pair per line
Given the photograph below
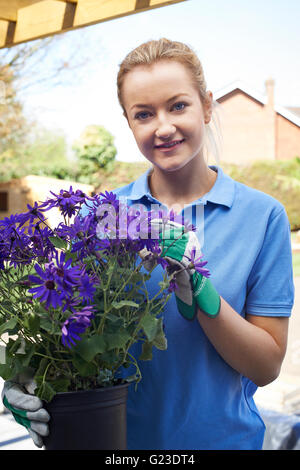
222, 191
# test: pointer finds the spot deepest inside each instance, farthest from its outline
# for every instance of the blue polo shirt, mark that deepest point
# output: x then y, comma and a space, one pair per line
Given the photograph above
189, 397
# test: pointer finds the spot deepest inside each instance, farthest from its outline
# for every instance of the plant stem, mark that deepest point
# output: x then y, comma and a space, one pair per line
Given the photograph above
52, 358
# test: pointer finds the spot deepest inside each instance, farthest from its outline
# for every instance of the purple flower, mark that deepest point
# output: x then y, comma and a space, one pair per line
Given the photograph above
75, 325
67, 201
172, 286
86, 288
14, 242
33, 213
38, 243
10, 222
163, 262
139, 226
71, 303
77, 230
197, 264
109, 198
46, 290
66, 276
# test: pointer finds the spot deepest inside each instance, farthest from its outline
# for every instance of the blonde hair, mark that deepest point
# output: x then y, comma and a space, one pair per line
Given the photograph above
164, 49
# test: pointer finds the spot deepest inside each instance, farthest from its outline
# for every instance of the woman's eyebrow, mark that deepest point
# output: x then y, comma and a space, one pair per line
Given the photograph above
150, 106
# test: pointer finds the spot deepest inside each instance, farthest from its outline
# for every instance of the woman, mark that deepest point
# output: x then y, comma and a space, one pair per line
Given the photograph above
198, 394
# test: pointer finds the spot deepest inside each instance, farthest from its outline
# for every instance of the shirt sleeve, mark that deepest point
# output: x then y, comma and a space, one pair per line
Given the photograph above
270, 287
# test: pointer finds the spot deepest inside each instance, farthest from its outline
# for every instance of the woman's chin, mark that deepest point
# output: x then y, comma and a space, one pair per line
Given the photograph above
170, 166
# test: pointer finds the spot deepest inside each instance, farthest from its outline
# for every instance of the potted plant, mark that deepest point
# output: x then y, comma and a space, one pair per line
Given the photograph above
73, 301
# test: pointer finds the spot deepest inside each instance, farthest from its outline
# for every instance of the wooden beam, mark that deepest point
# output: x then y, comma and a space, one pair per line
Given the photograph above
38, 20
93, 11
96, 11
3, 32
159, 3
9, 8
27, 20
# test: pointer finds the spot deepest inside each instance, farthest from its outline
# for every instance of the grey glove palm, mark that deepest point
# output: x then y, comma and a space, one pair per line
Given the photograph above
26, 408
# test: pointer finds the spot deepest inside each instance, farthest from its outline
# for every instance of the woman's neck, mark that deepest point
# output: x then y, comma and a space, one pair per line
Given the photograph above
181, 187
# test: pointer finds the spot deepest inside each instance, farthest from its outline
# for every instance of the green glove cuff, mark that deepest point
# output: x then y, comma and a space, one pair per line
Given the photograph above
19, 415
187, 311
208, 299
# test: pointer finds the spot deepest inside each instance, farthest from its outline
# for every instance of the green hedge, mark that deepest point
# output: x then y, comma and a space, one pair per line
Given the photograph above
279, 178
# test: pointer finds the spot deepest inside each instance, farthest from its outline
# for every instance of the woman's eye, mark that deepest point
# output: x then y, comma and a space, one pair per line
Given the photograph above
179, 106
143, 115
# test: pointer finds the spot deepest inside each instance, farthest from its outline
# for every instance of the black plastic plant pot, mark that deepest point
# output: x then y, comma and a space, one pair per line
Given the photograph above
88, 420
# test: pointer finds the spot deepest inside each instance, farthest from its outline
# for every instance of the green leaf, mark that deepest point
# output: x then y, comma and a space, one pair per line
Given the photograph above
41, 369
146, 354
13, 363
110, 358
124, 303
29, 352
46, 325
87, 348
9, 325
73, 256
112, 317
132, 378
59, 243
45, 391
32, 323
136, 277
117, 340
13, 346
149, 324
6, 371
84, 368
61, 384
160, 340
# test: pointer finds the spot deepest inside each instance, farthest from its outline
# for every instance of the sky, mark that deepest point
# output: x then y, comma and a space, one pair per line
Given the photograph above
247, 40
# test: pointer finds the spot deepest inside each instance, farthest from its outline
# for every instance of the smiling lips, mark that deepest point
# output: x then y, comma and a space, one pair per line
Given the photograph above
169, 145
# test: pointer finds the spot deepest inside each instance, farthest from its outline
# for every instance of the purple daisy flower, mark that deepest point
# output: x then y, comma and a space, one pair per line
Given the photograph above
10, 222
75, 325
40, 244
46, 290
86, 288
197, 264
34, 212
109, 198
65, 275
67, 201
77, 230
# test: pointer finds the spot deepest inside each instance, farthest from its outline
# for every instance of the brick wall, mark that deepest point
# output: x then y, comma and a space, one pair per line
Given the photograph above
253, 130
288, 139
246, 126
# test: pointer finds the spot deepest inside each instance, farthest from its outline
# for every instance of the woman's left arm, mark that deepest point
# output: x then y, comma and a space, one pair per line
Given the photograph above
254, 346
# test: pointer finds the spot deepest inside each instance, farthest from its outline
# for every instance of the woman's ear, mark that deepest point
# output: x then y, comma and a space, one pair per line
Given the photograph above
208, 107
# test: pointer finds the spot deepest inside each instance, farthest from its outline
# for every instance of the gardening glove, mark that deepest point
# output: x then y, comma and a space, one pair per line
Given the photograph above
182, 250
27, 409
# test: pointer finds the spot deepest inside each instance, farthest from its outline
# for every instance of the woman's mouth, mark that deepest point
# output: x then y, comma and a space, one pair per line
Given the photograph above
168, 146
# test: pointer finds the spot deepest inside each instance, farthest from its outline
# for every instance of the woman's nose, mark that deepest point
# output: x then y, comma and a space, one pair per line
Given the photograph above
165, 129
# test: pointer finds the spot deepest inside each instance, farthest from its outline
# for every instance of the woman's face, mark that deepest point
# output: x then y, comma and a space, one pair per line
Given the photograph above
163, 108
